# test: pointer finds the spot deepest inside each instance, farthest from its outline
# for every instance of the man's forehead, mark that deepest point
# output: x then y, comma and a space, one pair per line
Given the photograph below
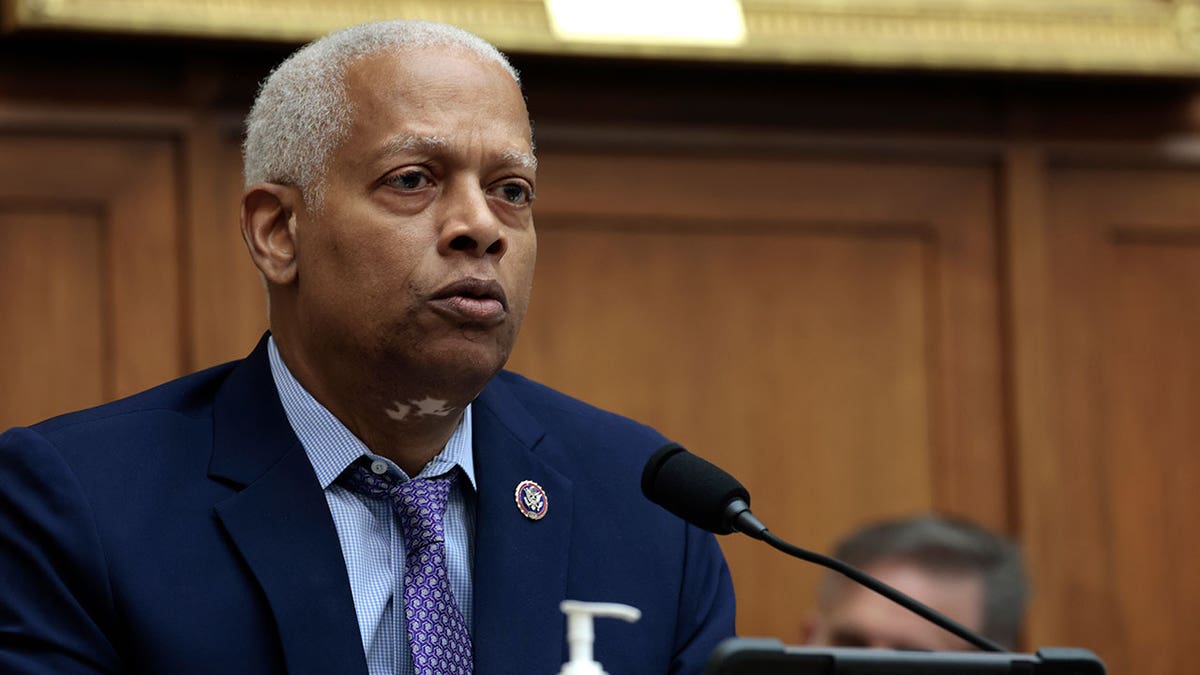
372, 97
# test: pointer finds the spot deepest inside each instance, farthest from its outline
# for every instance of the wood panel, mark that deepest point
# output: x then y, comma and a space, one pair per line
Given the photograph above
838, 354
95, 227
54, 337
1109, 509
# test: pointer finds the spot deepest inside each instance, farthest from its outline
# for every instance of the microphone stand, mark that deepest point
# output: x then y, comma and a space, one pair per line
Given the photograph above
886, 591
742, 520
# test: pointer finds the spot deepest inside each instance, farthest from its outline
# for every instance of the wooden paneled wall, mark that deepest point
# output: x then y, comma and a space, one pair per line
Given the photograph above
864, 294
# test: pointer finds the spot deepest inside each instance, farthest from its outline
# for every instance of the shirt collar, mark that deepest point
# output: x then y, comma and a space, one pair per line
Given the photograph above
331, 447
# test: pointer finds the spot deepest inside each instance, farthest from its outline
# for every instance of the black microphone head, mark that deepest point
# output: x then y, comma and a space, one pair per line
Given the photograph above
692, 488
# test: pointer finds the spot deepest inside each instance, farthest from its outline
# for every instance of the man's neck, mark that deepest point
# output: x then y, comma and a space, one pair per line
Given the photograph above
408, 425
410, 444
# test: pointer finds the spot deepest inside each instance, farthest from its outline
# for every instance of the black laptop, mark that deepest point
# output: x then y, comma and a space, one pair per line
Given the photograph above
761, 656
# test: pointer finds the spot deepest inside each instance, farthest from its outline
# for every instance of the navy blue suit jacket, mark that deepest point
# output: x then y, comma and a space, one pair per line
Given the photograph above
183, 530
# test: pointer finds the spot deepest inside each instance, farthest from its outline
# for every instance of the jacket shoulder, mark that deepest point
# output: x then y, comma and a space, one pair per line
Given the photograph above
190, 395
567, 415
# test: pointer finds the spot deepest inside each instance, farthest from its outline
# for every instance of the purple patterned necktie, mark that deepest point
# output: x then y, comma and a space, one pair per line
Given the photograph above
437, 634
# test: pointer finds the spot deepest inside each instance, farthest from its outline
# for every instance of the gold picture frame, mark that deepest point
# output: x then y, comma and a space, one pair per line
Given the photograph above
1146, 37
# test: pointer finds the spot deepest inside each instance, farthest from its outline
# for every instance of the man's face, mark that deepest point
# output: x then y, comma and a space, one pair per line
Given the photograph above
421, 255
859, 617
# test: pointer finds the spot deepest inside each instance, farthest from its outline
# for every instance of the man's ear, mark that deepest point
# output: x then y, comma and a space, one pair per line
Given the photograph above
269, 228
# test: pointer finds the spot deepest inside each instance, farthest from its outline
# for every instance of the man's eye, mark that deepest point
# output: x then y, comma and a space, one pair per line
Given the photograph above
409, 180
515, 193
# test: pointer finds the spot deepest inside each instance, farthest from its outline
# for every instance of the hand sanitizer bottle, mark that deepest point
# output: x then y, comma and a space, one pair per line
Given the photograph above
580, 633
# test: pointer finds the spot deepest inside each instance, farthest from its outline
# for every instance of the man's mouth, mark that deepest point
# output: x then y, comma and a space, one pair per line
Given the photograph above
472, 301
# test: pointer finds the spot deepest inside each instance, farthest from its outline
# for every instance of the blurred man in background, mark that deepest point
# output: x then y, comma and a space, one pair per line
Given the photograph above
974, 576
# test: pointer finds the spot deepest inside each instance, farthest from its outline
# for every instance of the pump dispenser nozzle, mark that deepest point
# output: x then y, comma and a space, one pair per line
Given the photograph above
580, 634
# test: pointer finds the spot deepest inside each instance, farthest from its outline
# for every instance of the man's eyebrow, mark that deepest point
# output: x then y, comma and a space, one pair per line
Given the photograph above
409, 143
523, 159
429, 144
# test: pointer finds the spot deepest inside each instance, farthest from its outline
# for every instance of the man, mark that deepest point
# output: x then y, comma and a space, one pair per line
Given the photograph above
257, 517
959, 569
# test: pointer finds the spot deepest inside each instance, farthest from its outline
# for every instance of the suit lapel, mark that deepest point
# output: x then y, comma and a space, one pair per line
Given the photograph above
520, 564
280, 524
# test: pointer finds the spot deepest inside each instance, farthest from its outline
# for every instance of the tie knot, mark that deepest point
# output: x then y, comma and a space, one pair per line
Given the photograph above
420, 503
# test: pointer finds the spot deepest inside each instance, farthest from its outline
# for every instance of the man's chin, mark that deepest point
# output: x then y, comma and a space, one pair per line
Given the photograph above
465, 361
460, 359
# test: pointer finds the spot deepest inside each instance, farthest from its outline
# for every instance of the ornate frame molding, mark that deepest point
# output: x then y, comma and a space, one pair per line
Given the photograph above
1146, 37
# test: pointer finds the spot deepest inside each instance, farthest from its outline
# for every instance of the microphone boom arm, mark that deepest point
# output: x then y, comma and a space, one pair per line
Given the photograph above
853, 573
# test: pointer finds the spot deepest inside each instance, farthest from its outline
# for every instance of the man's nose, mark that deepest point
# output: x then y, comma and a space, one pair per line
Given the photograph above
469, 224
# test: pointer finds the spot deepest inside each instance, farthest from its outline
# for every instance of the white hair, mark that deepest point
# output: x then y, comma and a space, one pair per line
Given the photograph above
302, 112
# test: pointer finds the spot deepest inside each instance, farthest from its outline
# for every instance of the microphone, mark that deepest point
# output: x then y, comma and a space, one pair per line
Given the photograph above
706, 496
698, 491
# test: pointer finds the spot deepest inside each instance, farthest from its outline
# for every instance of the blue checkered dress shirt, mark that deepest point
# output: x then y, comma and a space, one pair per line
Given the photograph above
372, 543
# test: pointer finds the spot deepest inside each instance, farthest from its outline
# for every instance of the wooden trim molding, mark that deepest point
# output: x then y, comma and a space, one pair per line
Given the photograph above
1136, 37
